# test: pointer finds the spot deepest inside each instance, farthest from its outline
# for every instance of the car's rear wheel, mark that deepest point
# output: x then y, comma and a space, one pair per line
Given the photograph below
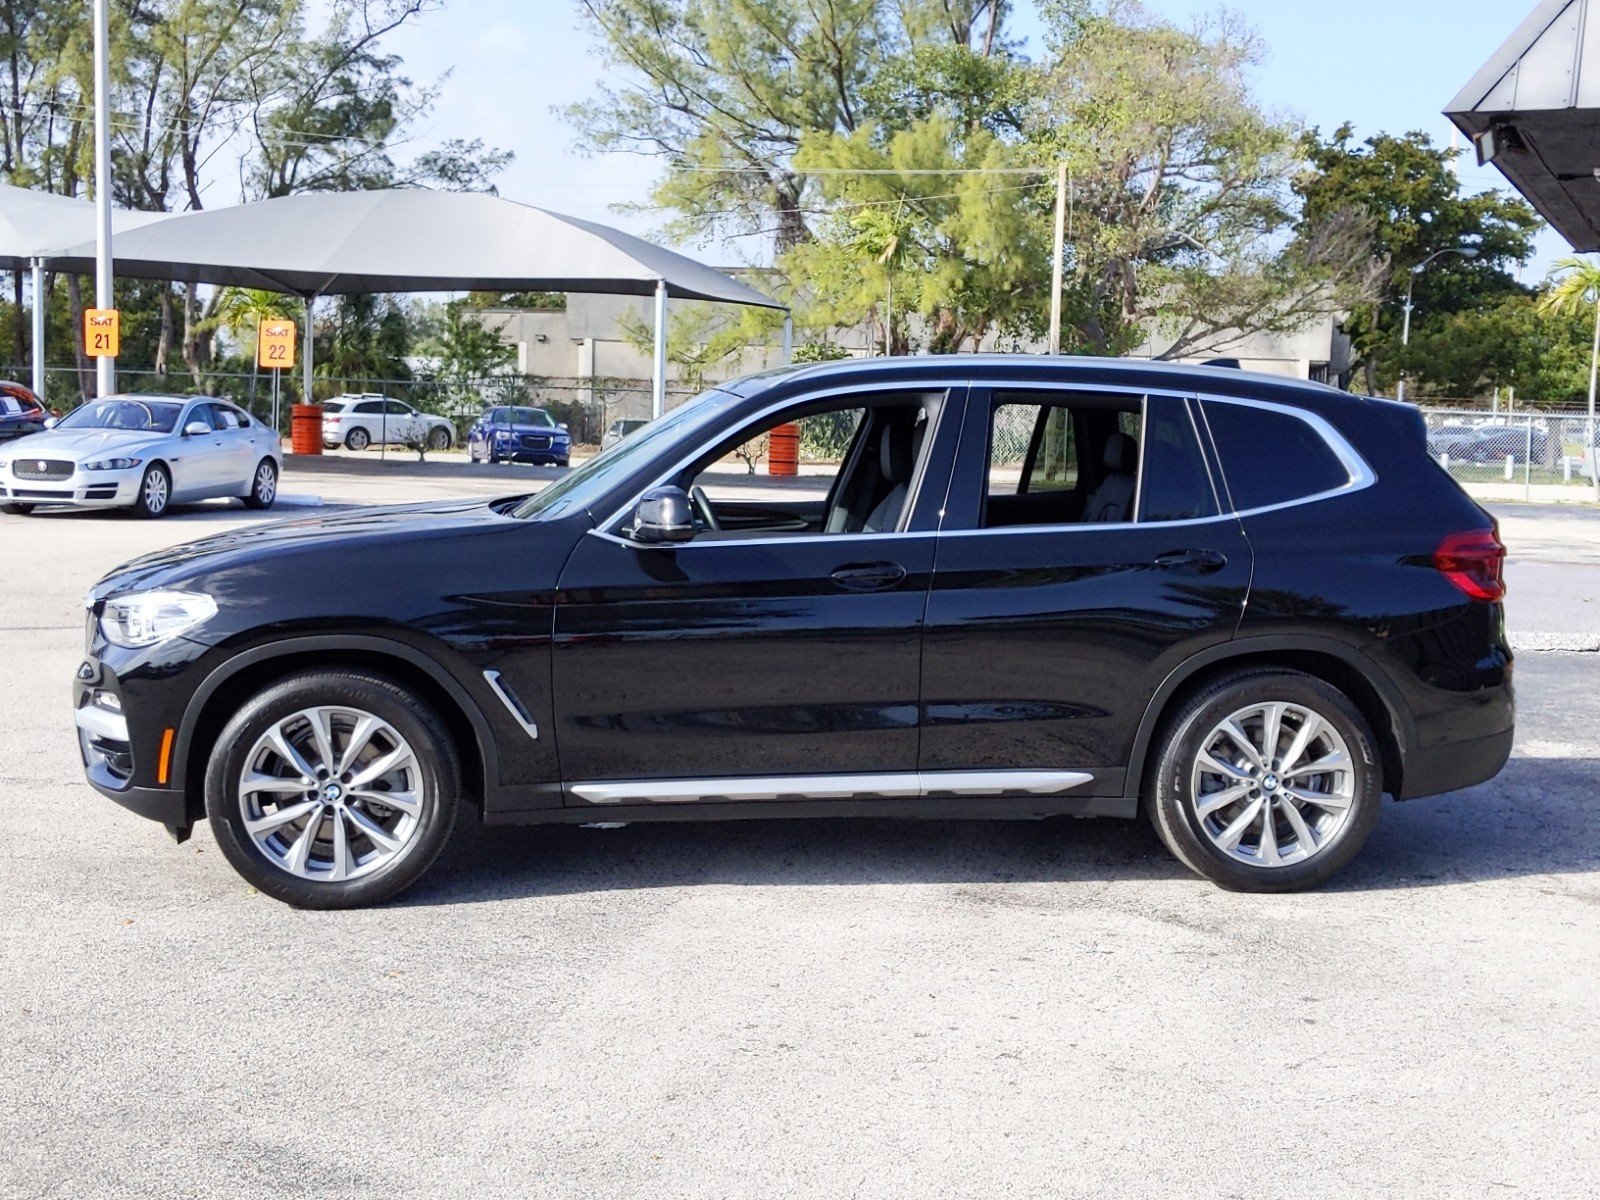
263, 486
1266, 781
155, 492
333, 790
357, 439
16, 510
439, 439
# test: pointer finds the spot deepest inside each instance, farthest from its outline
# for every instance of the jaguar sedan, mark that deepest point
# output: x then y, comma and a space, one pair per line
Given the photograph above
143, 453
1243, 607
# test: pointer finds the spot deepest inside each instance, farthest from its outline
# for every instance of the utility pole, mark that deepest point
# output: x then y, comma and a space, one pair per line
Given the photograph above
1057, 258
105, 366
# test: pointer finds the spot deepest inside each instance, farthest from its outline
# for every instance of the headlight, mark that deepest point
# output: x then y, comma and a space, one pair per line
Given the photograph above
145, 618
504, 433
112, 464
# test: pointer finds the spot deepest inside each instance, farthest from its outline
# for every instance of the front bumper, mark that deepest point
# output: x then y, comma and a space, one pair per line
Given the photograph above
86, 489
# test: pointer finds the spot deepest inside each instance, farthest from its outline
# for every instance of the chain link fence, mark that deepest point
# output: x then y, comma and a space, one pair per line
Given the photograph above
1537, 454
586, 407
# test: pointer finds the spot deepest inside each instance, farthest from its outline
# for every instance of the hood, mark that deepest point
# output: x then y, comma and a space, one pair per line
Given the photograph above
82, 445
284, 539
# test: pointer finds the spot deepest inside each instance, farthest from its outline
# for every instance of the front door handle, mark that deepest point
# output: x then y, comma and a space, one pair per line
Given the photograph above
869, 577
1198, 562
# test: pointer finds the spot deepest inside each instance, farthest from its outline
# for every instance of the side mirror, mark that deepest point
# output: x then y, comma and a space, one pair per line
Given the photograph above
663, 515
196, 429
562, 425
50, 422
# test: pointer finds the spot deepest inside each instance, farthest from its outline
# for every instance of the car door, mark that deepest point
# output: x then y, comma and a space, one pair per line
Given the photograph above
784, 659
198, 464
1085, 553
402, 423
237, 452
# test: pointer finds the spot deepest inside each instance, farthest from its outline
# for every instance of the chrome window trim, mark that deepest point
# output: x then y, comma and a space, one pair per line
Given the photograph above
886, 785
1361, 475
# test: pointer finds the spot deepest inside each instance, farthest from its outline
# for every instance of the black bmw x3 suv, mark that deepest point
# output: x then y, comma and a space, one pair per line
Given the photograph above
1019, 587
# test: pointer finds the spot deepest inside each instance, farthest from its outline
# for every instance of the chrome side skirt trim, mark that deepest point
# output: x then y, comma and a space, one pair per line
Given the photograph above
511, 704
831, 787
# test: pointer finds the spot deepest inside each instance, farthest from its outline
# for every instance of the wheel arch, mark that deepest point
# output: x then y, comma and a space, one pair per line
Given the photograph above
219, 697
1335, 663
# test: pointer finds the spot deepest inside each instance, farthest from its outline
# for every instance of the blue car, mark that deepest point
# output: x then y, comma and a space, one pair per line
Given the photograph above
508, 434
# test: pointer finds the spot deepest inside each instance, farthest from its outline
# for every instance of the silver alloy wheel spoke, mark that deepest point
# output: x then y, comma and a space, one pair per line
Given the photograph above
332, 793
1272, 784
266, 482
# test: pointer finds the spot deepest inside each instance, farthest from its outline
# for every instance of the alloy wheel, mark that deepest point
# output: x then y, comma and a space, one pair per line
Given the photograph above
1273, 784
266, 483
332, 794
155, 492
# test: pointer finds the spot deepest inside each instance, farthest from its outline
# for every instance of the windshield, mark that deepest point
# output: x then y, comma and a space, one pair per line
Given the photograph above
148, 416
523, 416
588, 484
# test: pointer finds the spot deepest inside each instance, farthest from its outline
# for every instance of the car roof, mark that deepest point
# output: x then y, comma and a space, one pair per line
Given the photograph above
1042, 368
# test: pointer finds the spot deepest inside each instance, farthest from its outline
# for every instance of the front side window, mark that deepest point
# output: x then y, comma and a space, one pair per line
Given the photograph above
1270, 456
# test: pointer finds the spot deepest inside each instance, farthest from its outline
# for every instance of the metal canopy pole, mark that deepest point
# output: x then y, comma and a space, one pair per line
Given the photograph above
306, 363
1058, 254
105, 366
788, 337
38, 328
658, 383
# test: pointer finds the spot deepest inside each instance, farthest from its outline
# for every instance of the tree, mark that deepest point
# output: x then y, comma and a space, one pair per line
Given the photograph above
1575, 286
1407, 189
1181, 219
726, 91
466, 352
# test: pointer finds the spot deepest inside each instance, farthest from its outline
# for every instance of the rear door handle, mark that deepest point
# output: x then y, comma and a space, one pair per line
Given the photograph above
1199, 562
869, 577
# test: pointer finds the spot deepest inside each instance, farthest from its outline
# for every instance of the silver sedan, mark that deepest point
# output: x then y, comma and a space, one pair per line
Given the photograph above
145, 453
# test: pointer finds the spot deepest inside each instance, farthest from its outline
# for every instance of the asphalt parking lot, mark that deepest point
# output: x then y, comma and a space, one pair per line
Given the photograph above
871, 1009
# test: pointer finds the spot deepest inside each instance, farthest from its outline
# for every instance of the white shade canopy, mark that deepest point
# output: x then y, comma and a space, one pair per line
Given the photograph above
34, 223
405, 240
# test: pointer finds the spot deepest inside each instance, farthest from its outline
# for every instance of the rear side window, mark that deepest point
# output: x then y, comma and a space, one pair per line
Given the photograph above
369, 406
1177, 486
1270, 457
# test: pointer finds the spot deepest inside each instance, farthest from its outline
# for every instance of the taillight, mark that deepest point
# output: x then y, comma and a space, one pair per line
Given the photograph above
1473, 561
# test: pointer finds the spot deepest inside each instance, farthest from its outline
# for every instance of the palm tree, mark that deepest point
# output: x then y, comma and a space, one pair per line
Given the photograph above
246, 308
1574, 286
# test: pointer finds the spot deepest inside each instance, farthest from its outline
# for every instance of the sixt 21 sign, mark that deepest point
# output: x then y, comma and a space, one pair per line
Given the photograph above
102, 332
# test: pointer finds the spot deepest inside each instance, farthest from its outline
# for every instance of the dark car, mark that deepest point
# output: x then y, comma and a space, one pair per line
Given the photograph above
509, 433
1496, 443
21, 413
1033, 587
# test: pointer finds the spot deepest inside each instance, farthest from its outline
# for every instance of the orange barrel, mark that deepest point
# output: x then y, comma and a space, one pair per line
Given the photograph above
783, 450
305, 428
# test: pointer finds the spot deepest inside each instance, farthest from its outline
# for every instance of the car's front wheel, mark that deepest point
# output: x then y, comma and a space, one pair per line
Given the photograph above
1266, 781
155, 492
333, 789
439, 438
263, 486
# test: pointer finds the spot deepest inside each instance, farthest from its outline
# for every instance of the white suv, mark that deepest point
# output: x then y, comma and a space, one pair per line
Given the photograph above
356, 421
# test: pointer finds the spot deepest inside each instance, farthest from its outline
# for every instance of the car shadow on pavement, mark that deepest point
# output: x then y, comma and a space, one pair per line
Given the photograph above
1536, 818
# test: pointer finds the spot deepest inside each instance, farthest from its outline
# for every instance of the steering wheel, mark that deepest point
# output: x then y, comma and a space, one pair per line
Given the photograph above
702, 505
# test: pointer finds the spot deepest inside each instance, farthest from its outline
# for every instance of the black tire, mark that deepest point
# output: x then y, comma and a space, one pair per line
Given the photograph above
494, 456
16, 510
439, 438
439, 785
1170, 785
357, 439
263, 491
155, 493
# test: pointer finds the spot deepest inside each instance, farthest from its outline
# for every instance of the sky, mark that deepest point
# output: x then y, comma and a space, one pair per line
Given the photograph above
1383, 65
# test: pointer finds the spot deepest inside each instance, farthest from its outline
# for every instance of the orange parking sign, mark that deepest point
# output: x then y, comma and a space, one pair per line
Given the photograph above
275, 344
102, 336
